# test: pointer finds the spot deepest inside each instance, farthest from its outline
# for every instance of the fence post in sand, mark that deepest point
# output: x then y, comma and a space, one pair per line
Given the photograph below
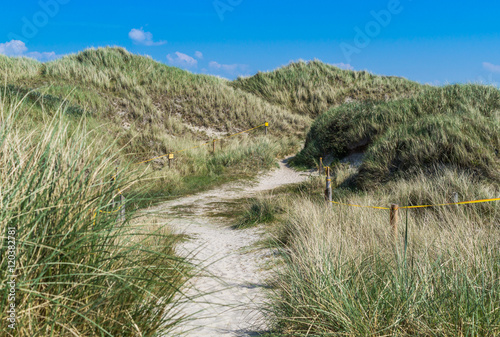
214, 146
266, 124
114, 180
394, 221
320, 171
455, 198
328, 191
122, 209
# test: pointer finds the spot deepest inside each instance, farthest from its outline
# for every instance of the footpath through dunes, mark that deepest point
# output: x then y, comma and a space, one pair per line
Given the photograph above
232, 280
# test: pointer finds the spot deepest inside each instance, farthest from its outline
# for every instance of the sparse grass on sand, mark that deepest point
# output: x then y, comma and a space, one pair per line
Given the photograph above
344, 276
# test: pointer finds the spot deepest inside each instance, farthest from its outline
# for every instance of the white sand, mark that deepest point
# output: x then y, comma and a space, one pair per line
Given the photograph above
234, 279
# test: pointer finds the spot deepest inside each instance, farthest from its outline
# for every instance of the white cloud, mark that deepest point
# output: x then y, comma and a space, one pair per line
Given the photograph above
18, 48
42, 57
491, 67
229, 69
139, 36
13, 48
344, 66
182, 60
198, 55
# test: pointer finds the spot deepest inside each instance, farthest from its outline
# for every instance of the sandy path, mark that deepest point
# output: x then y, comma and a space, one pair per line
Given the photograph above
233, 280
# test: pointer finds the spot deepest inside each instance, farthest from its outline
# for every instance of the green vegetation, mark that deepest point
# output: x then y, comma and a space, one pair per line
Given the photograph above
456, 125
259, 211
311, 88
343, 276
68, 126
343, 273
145, 109
80, 271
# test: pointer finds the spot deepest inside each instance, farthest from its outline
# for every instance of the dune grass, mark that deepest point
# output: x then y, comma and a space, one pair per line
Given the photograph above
17, 68
87, 116
457, 125
82, 270
147, 109
128, 88
343, 274
311, 88
258, 211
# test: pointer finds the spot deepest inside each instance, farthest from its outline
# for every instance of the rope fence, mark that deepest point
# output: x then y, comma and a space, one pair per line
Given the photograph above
170, 158
328, 191
424, 206
394, 209
328, 195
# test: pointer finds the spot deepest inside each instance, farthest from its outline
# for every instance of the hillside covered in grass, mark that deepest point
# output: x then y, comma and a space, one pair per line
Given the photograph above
344, 270
143, 109
145, 101
455, 126
311, 88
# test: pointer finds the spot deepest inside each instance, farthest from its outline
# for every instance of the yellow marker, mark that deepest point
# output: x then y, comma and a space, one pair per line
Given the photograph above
195, 147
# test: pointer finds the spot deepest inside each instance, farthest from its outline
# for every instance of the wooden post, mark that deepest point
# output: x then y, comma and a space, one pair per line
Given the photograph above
214, 147
265, 128
328, 191
122, 210
394, 221
170, 159
114, 179
320, 165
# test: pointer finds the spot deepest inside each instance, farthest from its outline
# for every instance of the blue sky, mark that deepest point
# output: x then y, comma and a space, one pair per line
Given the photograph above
426, 41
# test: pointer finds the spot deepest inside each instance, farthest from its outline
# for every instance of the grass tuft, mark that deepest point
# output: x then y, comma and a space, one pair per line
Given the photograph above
82, 270
344, 276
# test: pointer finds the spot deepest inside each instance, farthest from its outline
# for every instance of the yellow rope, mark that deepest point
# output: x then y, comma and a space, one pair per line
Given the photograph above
455, 203
101, 211
339, 203
426, 206
112, 212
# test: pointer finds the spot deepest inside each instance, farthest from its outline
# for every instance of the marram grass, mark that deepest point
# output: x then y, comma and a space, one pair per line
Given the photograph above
344, 275
311, 88
452, 126
146, 109
78, 275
